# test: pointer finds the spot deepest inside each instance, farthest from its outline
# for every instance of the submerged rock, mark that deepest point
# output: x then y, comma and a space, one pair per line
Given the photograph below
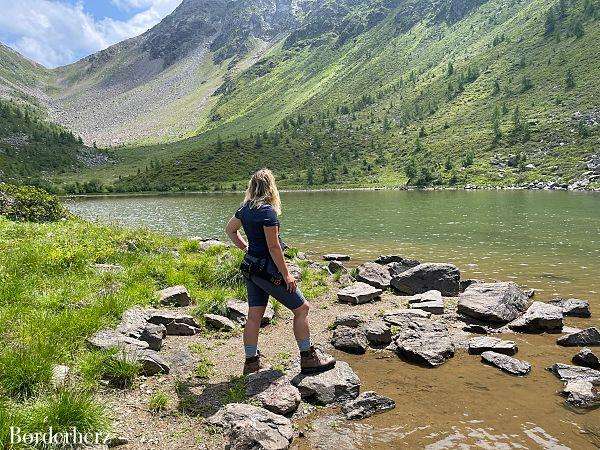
480, 344
587, 358
367, 404
336, 257
253, 427
573, 307
425, 342
351, 340
506, 363
429, 276
174, 296
397, 259
493, 302
581, 394
378, 333
337, 385
374, 274
217, 322
589, 336
539, 317
358, 293
351, 320
567, 372
237, 310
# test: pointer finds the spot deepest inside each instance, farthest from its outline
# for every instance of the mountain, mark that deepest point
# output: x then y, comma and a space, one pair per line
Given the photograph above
348, 92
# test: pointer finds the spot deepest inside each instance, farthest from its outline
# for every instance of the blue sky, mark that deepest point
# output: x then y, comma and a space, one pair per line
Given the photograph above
59, 32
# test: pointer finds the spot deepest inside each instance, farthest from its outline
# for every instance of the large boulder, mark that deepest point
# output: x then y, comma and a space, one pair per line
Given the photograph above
587, 358
493, 302
581, 394
367, 404
174, 296
539, 317
151, 362
506, 363
573, 307
336, 385
220, 323
273, 391
176, 324
237, 310
374, 274
588, 337
351, 340
480, 344
358, 293
253, 427
566, 372
425, 342
378, 333
134, 323
425, 277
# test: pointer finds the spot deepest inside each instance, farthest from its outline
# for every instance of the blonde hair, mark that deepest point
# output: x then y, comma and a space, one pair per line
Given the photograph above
262, 190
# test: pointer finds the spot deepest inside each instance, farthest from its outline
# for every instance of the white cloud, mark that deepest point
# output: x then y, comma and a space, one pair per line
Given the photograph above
57, 33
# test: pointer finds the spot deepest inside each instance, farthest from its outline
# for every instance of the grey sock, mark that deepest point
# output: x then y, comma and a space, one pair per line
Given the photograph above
250, 350
304, 344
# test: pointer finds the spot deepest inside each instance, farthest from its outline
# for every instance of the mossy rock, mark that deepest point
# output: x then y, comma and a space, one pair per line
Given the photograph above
30, 204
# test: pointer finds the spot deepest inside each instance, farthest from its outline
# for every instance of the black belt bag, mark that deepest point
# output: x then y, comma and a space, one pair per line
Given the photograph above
260, 267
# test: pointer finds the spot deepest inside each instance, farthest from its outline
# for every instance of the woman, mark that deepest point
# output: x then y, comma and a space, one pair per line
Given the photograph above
268, 273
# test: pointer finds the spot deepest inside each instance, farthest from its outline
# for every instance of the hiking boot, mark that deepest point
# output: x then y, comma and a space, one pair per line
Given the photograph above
315, 360
252, 364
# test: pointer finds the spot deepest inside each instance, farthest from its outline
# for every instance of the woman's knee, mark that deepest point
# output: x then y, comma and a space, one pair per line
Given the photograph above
302, 310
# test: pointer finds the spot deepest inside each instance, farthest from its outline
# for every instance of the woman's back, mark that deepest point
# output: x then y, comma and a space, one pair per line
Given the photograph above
253, 220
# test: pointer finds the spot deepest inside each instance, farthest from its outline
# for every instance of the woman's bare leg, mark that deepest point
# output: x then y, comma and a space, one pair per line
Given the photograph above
301, 327
255, 315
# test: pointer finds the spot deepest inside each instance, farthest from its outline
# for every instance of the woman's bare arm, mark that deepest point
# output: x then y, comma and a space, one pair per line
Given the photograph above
272, 235
233, 231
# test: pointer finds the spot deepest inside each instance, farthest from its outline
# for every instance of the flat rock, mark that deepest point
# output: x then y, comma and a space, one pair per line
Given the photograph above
588, 337
273, 391
398, 259
337, 385
336, 257
151, 361
351, 340
587, 358
506, 363
134, 323
573, 307
480, 344
220, 323
253, 427
352, 320
358, 293
425, 277
367, 404
260, 381
581, 394
430, 301
493, 302
425, 342
429, 296
174, 296
374, 274
400, 317
539, 317
378, 333
175, 323
335, 267
107, 339
566, 372
237, 310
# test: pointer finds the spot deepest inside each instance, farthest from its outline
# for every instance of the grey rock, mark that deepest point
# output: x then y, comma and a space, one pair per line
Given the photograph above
566, 372
429, 296
389, 259
400, 317
151, 361
294, 270
539, 317
430, 301
506, 363
588, 337
336, 257
425, 342
174, 296
337, 385
493, 302
358, 293
351, 340
206, 244
374, 274
237, 310
352, 320
378, 333
253, 427
530, 293
425, 277
573, 307
134, 323
464, 284
153, 335
587, 358
175, 323
220, 323
436, 307
367, 404
480, 344
107, 339
335, 267
273, 391
581, 394
260, 381
60, 376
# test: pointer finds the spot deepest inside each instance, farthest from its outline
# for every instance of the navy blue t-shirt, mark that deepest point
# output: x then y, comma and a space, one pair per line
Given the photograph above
253, 221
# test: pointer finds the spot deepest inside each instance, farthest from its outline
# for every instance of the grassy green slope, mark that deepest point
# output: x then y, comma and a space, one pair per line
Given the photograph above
19, 76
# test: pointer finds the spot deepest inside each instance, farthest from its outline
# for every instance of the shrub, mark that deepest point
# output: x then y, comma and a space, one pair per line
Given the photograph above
30, 204
158, 402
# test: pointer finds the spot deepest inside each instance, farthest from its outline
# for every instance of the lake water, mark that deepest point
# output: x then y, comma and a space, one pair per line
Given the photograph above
549, 241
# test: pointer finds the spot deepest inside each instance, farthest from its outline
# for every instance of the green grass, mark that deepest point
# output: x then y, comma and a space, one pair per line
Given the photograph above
158, 402
110, 365
236, 392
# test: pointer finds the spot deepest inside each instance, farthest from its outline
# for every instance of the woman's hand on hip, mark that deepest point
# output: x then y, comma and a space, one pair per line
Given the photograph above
291, 283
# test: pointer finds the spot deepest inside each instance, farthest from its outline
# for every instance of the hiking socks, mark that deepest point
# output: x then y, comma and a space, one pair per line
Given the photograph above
304, 344
250, 350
